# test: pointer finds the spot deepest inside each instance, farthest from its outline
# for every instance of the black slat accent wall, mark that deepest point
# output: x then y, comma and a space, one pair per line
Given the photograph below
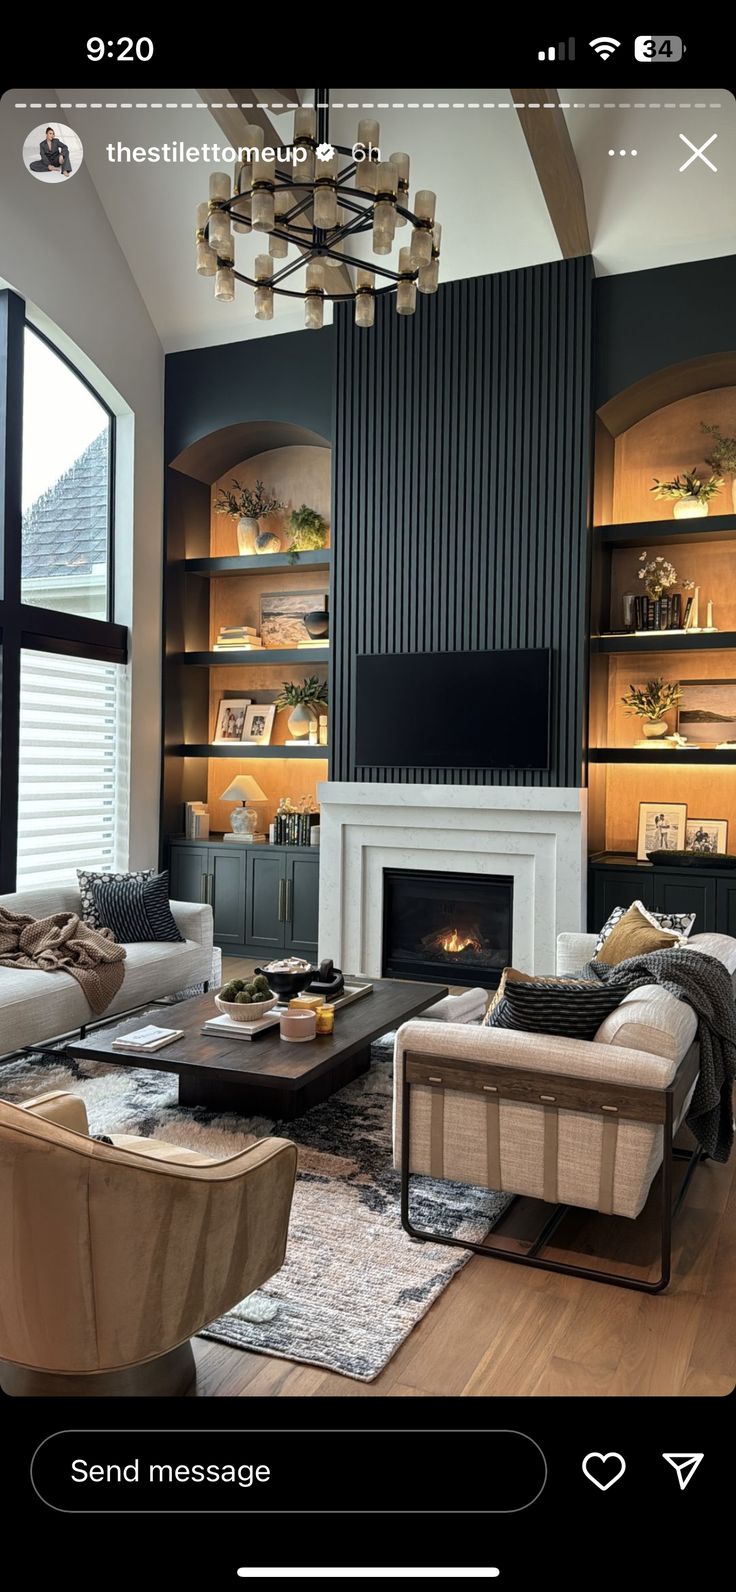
461, 475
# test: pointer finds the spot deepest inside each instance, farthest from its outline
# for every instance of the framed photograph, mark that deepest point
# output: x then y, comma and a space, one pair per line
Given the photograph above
231, 713
259, 723
706, 712
661, 827
707, 836
283, 617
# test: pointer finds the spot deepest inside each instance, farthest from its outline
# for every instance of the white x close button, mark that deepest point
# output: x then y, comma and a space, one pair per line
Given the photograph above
698, 152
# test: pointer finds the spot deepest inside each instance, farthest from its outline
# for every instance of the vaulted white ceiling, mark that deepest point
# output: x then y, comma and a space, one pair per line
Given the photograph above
468, 145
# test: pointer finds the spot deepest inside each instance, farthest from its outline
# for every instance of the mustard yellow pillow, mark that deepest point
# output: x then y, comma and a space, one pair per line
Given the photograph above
634, 935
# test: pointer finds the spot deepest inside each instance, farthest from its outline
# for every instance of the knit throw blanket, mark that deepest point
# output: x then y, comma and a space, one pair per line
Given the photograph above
706, 985
64, 944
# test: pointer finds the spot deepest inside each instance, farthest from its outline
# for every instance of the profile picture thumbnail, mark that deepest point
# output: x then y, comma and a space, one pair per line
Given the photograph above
53, 153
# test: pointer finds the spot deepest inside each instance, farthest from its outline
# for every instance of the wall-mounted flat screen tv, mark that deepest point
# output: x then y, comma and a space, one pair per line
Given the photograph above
453, 709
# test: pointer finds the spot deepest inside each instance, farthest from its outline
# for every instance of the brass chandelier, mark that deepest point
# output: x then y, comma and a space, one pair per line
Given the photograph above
317, 196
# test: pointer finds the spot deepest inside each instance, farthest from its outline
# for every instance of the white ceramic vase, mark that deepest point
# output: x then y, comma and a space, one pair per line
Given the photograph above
247, 533
300, 719
654, 727
690, 508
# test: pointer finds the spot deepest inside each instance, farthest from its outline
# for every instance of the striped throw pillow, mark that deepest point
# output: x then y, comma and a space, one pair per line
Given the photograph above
571, 1007
87, 877
136, 909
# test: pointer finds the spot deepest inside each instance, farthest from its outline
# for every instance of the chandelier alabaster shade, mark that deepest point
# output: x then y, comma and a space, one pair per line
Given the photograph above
314, 197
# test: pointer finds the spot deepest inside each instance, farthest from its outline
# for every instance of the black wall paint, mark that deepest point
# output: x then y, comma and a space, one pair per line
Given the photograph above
647, 320
461, 475
289, 377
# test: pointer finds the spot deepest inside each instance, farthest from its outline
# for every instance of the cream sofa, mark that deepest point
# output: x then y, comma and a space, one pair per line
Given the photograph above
37, 1006
570, 1122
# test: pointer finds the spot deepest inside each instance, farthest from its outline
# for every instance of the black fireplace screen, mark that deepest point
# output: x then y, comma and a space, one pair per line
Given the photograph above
451, 927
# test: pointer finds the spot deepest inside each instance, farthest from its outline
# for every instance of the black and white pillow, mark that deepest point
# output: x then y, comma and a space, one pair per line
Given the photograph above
574, 1008
677, 922
87, 878
136, 909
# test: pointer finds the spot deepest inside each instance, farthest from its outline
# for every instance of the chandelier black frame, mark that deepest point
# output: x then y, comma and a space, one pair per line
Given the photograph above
319, 243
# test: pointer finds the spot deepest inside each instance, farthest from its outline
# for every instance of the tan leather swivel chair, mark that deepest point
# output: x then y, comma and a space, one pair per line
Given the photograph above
113, 1255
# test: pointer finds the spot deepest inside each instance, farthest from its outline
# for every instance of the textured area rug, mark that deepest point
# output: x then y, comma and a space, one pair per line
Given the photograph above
353, 1284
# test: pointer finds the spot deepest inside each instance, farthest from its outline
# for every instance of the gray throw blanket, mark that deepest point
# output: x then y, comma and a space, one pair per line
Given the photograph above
706, 985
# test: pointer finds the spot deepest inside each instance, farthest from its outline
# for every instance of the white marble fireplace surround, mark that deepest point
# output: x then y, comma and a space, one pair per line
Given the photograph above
538, 836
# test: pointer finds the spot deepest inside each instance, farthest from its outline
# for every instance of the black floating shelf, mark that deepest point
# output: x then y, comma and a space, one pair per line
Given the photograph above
670, 756
251, 656
715, 528
292, 749
663, 641
256, 563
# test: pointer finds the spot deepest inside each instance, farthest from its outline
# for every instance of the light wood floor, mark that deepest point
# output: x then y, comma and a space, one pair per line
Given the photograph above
506, 1329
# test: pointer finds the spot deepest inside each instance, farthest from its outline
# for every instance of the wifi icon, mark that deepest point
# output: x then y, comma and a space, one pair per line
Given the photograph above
605, 47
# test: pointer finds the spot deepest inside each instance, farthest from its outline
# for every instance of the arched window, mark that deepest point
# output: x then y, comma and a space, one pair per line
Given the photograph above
67, 488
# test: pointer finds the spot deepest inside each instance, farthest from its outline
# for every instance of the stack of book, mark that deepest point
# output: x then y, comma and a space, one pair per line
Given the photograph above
661, 613
237, 638
293, 829
196, 821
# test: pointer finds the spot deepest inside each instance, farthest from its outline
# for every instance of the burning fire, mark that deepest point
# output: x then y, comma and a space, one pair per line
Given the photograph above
454, 942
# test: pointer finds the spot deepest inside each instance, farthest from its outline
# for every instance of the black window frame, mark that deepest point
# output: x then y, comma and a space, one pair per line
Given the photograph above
23, 625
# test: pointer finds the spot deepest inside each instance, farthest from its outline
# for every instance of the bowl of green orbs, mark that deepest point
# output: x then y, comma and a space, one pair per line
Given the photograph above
245, 1000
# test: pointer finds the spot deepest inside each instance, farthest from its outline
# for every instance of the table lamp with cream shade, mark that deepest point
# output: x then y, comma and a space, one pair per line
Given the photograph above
244, 819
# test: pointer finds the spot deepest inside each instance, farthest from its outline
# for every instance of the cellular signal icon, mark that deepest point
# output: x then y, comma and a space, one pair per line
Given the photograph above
558, 52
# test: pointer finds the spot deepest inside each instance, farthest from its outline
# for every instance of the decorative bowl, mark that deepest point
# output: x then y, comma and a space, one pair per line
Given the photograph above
245, 1012
317, 624
287, 984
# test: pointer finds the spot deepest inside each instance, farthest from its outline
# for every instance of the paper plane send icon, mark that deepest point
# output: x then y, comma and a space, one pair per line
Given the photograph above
685, 1465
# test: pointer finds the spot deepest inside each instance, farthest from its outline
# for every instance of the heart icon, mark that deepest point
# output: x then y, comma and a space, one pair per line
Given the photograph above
603, 1464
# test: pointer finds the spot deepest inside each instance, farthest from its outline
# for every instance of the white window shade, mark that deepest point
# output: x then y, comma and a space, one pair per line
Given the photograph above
73, 775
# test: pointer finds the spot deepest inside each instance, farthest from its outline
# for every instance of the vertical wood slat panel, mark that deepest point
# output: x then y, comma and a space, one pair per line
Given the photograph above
461, 466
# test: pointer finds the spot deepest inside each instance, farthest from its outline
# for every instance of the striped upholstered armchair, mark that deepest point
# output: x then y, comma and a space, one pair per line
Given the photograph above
571, 1123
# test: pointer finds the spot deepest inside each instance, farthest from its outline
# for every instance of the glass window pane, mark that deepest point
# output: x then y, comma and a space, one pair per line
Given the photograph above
66, 487
73, 775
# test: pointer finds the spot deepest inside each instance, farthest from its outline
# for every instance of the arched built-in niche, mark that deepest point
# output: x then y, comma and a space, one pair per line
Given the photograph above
653, 429
294, 465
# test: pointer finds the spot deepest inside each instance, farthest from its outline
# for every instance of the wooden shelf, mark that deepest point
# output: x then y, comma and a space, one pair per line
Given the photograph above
240, 749
715, 528
669, 757
664, 641
256, 563
251, 657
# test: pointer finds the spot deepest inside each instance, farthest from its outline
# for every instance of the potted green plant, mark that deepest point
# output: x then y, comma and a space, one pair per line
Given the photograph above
722, 455
306, 698
691, 494
248, 505
306, 530
650, 702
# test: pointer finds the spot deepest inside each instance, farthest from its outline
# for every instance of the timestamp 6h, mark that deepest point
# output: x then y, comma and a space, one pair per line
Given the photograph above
119, 49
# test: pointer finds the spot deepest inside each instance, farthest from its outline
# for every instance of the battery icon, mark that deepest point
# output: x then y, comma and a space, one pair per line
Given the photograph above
659, 49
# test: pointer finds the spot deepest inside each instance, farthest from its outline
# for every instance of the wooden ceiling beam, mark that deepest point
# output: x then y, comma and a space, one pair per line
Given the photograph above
550, 146
233, 123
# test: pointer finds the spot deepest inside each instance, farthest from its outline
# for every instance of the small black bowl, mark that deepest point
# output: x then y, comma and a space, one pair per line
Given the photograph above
287, 985
317, 624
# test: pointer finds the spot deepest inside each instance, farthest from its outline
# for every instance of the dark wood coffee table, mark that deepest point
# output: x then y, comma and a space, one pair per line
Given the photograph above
266, 1076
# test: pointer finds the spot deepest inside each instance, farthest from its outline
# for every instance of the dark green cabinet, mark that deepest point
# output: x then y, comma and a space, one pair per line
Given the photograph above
264, 899
708, 892
188, 873
301, 907
726, 908
226, 895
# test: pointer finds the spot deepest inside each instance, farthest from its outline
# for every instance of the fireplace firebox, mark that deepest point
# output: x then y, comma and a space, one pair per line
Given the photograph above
451, 927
